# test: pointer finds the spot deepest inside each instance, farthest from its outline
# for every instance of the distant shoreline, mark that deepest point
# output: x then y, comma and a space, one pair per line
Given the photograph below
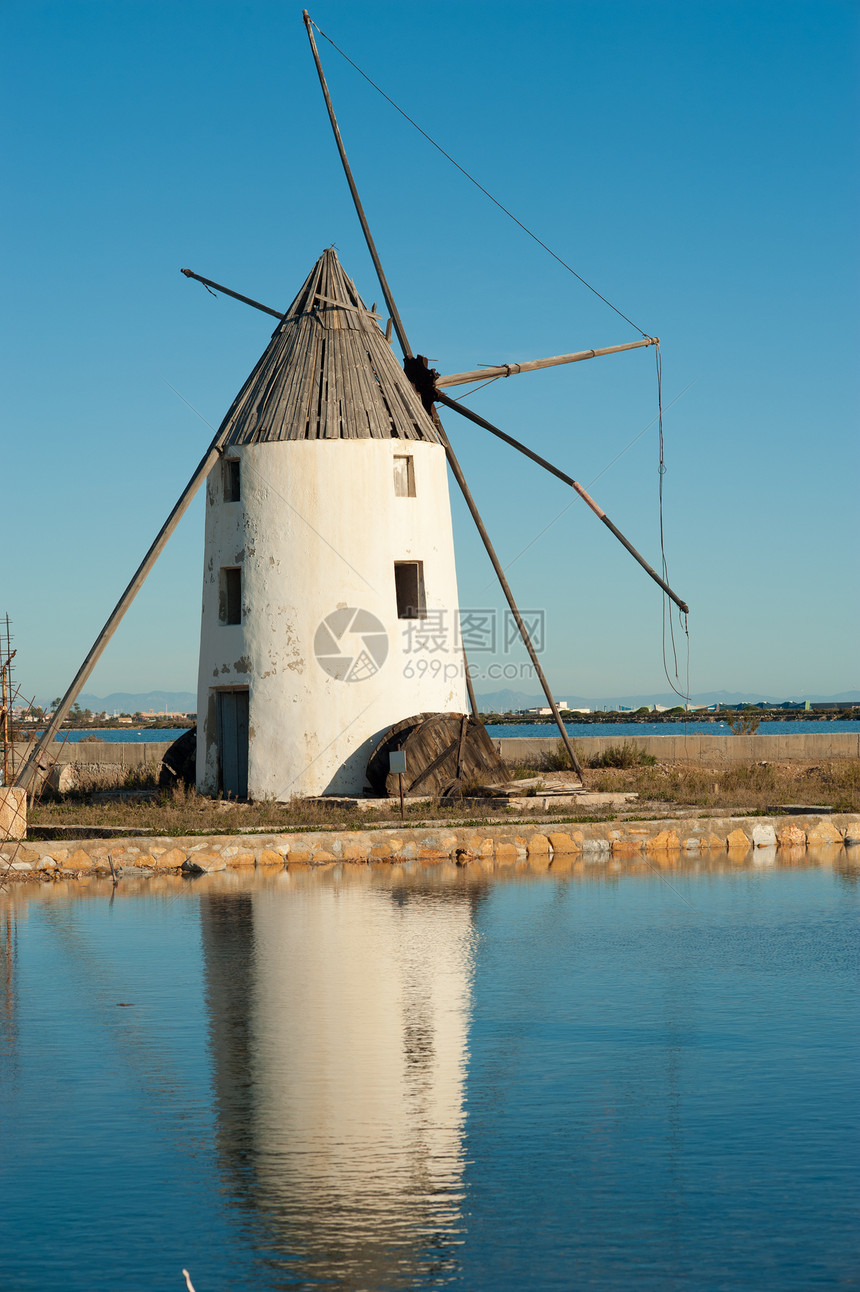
848, 712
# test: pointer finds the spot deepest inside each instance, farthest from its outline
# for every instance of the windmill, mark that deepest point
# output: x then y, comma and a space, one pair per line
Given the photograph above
329, 550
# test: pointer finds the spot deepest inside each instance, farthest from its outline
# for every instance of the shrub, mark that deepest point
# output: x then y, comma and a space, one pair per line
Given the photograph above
744, 722
554, 760
626, 755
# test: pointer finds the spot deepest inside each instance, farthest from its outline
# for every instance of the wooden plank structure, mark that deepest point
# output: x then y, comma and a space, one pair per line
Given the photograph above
444, 752
328, 373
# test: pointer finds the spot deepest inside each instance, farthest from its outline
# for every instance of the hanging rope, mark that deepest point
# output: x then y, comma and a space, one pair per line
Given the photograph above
480, 186
667, 610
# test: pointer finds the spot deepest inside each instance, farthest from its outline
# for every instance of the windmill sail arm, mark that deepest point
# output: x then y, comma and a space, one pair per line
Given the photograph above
228, 291
574, 484
530, 365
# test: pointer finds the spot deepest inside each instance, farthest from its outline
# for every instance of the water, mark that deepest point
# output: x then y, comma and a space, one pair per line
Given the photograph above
407, 1078
626, 730
630, 730
122, 734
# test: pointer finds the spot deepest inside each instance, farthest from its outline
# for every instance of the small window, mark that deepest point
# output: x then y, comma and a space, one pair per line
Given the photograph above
404, 477
230, 598
409, 585
232, 479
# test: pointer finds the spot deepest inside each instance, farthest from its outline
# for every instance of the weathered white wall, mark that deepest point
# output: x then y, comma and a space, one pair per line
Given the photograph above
319, 528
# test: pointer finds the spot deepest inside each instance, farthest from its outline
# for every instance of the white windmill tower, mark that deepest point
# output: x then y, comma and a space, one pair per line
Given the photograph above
329, 591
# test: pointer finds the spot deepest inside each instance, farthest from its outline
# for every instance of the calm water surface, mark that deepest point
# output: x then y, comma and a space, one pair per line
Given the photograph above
382, 1078
627, 730
630, 730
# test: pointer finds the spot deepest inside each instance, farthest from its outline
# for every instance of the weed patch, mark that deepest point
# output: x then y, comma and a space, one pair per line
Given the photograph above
627, 754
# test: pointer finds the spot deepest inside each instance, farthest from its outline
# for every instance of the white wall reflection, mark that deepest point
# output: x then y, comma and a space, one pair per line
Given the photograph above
340, 1012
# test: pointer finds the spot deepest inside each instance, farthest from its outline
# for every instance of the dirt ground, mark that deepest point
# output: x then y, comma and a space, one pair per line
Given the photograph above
663, 789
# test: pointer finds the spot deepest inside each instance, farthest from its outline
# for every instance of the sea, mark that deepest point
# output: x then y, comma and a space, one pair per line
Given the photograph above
602, 1077
624, 730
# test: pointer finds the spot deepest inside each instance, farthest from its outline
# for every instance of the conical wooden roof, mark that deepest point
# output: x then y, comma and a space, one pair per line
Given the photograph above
327, 373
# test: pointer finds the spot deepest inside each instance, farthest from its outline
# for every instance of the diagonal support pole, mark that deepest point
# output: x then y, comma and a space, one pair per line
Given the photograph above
37, 760
569, 480
452, 459
509, 596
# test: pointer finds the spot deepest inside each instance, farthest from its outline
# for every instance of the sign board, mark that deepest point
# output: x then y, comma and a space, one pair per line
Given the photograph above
397, 760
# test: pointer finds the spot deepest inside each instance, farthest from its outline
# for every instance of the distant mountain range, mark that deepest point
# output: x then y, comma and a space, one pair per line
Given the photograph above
125, 702
506, 701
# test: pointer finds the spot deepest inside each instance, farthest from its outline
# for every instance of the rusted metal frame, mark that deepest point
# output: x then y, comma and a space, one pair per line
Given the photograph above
562, 475
9, 695
371, 246
532, 365
227, 291
35, 762
4, 710
509, 596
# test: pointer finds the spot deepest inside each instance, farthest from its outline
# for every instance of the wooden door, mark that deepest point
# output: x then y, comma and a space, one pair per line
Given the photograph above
233, 743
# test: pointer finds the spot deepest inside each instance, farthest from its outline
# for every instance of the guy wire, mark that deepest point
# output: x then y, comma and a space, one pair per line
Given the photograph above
667, 610
480, 186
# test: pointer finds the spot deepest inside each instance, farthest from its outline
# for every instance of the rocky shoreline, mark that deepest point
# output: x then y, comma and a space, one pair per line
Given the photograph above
541, 844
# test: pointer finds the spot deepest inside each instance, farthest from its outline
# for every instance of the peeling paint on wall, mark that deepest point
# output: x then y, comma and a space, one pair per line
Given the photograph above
313, 732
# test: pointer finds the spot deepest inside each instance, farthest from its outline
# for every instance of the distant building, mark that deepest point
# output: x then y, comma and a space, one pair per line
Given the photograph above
546, 711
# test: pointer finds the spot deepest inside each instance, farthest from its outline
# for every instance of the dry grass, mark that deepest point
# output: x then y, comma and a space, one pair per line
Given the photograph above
744, 787
180, 811
625, 754
736, 787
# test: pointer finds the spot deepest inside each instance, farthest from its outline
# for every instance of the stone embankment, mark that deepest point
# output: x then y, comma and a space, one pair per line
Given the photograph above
537, 845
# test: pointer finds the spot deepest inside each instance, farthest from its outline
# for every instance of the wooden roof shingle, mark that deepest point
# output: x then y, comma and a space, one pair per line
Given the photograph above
327, 373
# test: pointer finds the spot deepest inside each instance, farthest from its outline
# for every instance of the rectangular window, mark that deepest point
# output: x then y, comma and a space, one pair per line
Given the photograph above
230, 595
230, 468
404, 477
409, 585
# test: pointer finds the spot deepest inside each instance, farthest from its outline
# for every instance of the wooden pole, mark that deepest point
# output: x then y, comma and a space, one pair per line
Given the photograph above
452, 460
531, 365
509, 597
368, 237
37, 760
473, 703
228, 291
586, 497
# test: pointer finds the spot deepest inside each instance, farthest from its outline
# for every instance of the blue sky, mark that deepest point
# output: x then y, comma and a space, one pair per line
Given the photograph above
696, 162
